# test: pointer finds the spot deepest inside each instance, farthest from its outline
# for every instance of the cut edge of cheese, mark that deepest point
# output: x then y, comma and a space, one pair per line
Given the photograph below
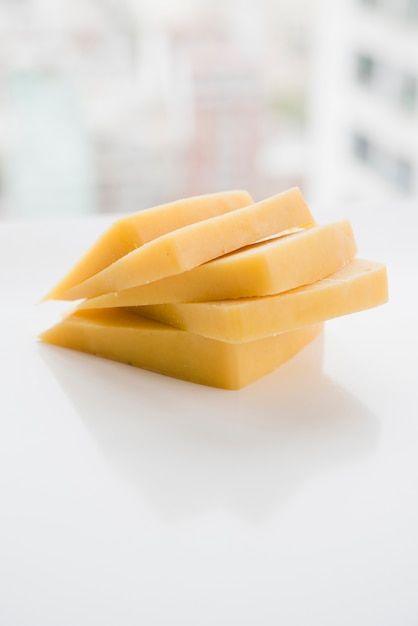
359, 285
193, 245
261, 269
122, 336
133, 231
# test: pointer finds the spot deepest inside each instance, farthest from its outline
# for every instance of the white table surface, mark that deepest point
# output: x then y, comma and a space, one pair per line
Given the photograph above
128, 498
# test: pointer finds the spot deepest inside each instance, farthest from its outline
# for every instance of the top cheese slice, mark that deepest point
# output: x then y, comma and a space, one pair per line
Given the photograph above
190, 246
268, 267
131, 232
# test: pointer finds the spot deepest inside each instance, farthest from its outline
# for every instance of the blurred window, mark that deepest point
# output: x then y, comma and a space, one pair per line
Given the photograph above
404, 175
394, 170
408, 92
392, 83
369, 3
365, 69
412, 9
361, 147
399, 8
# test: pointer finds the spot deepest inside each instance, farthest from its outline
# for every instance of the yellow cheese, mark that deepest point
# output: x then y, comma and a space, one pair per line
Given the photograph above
134, 231
192, 245
266, 268
122, 336
359, 285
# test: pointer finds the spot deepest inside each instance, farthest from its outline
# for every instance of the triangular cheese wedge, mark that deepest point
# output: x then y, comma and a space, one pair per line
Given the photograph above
192, 245
266, 268
359, 285
133, 231
122, 336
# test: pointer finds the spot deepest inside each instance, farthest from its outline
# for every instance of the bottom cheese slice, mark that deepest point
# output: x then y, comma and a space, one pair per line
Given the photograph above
359, 285
123, 336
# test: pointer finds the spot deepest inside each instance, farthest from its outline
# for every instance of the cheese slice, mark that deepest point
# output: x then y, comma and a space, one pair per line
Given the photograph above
192, 245
266, 268
122, 336
359, 285
133, 231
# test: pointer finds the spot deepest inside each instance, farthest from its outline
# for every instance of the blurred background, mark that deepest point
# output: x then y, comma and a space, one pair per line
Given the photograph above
112, 106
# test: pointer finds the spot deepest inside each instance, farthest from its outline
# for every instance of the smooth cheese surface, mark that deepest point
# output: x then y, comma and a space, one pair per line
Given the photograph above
359, 285
185, 248
133, 231
266, 268
128, 338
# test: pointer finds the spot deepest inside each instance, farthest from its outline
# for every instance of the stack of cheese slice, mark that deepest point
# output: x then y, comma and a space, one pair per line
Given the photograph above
215, 289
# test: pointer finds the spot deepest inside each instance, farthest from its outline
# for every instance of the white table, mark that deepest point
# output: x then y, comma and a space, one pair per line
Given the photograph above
128, 498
